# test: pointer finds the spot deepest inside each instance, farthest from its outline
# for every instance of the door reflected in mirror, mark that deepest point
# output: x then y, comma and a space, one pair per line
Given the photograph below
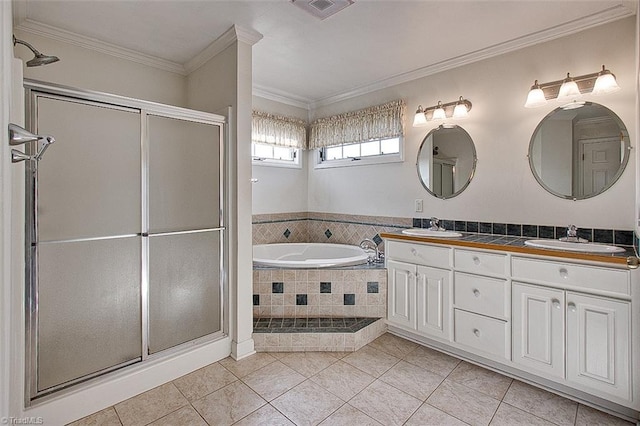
446, 161
579, 151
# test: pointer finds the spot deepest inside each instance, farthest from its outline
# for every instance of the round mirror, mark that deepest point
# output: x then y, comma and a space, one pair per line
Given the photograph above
579, 150
446, 161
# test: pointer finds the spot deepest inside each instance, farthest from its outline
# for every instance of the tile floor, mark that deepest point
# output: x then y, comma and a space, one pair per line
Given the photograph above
391, 381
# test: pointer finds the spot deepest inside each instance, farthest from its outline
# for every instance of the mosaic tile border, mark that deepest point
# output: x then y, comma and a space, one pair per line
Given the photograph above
351, 229
311, 325
607, 236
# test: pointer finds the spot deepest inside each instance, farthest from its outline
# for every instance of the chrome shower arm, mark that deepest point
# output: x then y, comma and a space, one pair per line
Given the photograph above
33, 49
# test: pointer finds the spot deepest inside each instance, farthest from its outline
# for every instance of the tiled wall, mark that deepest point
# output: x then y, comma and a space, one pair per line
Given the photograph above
320, 292
309, 227
608, 236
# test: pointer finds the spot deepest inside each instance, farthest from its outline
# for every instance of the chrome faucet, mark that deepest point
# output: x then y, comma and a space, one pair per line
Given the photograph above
435, 224
370, 244
572, 235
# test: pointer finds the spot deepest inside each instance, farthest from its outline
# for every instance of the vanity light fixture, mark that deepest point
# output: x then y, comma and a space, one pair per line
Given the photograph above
458, 109
571, 88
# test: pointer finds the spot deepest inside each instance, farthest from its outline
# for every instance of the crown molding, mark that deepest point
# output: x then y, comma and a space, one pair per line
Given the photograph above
624, 9
233, 34
280, 96
247, 35
611, 14
44, 30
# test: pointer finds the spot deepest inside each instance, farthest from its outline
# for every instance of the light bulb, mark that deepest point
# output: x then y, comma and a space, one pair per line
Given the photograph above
460, 111
569, 90
605, 83
536, 97
419, 120
438, 113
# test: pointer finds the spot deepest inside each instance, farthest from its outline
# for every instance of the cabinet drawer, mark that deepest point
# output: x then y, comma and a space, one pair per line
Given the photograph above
571, 275
480, 262
481, 333
482, 295
418, 254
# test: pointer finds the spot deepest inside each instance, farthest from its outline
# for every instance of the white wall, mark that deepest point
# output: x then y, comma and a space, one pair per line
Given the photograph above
91, 70
503, 189
225, 81
279, 189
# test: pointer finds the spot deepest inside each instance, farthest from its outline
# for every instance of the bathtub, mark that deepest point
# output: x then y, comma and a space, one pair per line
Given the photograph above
308, 255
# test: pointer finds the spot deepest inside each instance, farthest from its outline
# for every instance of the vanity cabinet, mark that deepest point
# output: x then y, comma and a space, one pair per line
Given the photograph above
599, 344
538, 329
401, 306
419, 297
565, 323
596, 335
481, 303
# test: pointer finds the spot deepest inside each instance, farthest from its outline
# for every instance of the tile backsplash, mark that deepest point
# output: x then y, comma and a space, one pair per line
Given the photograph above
608, 236
309, 227
312, 227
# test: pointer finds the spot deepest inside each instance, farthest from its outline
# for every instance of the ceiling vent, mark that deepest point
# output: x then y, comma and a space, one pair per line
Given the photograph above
322, 9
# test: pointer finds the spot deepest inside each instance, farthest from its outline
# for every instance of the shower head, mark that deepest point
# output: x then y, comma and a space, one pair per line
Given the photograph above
39, 59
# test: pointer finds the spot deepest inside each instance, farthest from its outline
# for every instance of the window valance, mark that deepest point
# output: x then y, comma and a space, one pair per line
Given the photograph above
278, 130
377, 122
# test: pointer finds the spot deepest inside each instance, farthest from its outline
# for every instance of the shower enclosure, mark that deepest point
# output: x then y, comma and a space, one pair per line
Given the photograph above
125, 237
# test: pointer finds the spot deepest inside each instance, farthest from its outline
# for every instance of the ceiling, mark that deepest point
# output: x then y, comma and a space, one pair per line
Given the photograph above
308, 62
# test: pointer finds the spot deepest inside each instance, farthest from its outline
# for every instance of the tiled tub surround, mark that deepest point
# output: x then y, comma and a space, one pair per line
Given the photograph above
318, 309
310, 227
302, 293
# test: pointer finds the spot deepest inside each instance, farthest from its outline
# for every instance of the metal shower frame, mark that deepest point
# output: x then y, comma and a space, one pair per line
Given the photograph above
35, 89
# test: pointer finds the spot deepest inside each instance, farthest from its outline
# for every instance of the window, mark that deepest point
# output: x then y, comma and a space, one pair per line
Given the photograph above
368, 136
275, 155
277, 140
367, 152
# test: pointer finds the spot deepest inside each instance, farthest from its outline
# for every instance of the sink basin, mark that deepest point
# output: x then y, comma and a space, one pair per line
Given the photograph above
583, 247
422, 232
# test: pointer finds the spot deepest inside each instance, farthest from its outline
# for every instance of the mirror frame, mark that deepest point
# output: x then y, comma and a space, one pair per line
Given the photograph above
473, 166
623, 164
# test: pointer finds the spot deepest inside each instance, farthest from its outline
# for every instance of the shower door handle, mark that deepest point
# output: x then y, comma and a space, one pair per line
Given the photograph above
43, 144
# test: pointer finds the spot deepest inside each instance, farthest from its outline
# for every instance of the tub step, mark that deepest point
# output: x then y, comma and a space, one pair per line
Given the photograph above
315, 334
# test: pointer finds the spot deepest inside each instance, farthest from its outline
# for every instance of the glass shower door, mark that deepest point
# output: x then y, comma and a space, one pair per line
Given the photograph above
184, 231
85, 240
124, 237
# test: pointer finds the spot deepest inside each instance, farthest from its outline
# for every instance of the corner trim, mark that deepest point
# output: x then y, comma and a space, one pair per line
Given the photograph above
233, 34
243, 349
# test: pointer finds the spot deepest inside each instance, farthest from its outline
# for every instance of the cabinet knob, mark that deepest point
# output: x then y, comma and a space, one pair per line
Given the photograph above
555, 303
571, 306
476, 292
564, 273
476, 260
414, 251
476, 332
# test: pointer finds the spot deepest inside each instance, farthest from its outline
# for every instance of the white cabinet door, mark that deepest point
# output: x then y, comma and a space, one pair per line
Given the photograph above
598, 344
433, 292
401, 294
538, 328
